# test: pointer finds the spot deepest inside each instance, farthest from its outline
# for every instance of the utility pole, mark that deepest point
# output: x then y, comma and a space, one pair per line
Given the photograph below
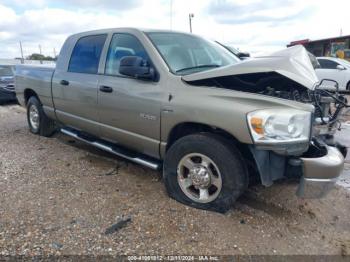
54, 52
22, 57
190, 17
41, 61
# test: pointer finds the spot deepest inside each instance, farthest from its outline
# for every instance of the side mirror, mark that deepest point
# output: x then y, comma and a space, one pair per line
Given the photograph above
341, 67
243, 55
136, 67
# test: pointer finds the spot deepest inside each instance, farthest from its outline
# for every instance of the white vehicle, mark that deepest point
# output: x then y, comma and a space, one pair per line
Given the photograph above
335, 69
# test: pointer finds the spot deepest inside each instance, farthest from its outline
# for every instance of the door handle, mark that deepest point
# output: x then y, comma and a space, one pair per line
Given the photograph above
106, 89
64, 82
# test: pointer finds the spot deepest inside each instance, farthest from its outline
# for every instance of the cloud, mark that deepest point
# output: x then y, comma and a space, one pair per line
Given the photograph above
49, 27
116, 6
21, 4
235, 8
7, 17
257, 26
229, 12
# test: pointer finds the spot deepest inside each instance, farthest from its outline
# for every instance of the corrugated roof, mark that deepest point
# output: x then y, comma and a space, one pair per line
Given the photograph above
308, 41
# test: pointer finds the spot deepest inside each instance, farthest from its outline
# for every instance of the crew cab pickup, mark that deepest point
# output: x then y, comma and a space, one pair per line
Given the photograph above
176, 102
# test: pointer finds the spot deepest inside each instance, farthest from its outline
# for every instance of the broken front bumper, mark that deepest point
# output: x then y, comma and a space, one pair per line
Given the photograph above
320, 174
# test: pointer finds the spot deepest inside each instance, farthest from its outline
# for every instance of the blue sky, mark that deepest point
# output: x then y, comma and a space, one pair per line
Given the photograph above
251, 25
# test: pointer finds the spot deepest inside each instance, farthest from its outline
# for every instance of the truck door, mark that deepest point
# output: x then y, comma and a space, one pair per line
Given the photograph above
129, 109
75, 87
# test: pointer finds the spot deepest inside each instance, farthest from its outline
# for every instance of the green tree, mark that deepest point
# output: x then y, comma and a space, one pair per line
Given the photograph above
36, 56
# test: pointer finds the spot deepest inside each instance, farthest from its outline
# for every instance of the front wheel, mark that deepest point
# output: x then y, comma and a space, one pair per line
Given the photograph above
205, 171
38, 122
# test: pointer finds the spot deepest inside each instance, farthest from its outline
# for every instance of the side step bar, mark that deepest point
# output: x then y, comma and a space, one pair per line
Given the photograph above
136, 158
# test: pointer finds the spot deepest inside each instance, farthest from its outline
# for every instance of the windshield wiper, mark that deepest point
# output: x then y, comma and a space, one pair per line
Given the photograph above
195, 67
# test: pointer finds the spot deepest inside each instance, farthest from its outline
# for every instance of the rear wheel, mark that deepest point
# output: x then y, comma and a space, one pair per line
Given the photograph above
205, 171
38, 122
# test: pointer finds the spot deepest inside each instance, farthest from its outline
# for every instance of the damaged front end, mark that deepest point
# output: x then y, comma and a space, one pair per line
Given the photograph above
319, 162
289, 74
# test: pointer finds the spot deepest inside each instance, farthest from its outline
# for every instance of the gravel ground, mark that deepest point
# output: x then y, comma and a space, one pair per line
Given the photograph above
60, 196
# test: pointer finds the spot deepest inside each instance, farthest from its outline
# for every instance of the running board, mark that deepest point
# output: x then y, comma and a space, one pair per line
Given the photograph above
136, 158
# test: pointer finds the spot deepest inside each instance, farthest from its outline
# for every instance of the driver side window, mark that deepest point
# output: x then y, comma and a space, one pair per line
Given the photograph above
122, 45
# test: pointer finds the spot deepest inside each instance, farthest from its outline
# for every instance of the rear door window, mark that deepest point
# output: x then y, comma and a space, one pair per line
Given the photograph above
86, 54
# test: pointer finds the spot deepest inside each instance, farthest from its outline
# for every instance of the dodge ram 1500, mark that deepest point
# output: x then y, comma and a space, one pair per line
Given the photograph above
177, 102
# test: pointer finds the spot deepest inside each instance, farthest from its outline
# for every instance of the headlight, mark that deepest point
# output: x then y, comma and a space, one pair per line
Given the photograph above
279, 126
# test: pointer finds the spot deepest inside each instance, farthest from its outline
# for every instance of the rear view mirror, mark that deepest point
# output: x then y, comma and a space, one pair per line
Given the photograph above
243, 55
341, 67
136, 67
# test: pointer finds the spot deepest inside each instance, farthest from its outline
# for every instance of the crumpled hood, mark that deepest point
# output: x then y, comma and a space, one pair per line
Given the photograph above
293, 63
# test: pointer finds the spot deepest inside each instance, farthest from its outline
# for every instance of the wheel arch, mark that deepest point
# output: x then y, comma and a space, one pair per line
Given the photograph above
187, 128
28, 93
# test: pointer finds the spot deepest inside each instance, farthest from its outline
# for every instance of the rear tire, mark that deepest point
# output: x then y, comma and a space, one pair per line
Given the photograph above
190, 180
38, 122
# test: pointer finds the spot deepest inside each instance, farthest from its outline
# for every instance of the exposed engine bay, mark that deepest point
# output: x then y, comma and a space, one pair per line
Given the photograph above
329, 103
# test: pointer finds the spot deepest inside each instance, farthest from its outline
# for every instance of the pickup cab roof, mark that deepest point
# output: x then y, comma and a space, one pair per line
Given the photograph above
127, 30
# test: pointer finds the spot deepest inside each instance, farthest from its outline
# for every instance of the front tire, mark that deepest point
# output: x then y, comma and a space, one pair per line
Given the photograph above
205, 171
38, 122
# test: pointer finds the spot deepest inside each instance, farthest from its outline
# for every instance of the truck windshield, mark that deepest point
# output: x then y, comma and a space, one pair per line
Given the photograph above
187, 54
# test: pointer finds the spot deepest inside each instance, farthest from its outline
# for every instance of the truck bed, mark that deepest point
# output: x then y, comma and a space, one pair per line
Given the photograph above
37, 78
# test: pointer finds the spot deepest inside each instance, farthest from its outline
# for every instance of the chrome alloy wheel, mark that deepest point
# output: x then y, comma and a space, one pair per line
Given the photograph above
199, 178
34, 117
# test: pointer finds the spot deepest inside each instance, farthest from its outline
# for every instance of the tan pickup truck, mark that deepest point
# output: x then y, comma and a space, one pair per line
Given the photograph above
177, 102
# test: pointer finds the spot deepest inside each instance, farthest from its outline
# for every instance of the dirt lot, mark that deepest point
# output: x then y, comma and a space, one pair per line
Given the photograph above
58, 196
